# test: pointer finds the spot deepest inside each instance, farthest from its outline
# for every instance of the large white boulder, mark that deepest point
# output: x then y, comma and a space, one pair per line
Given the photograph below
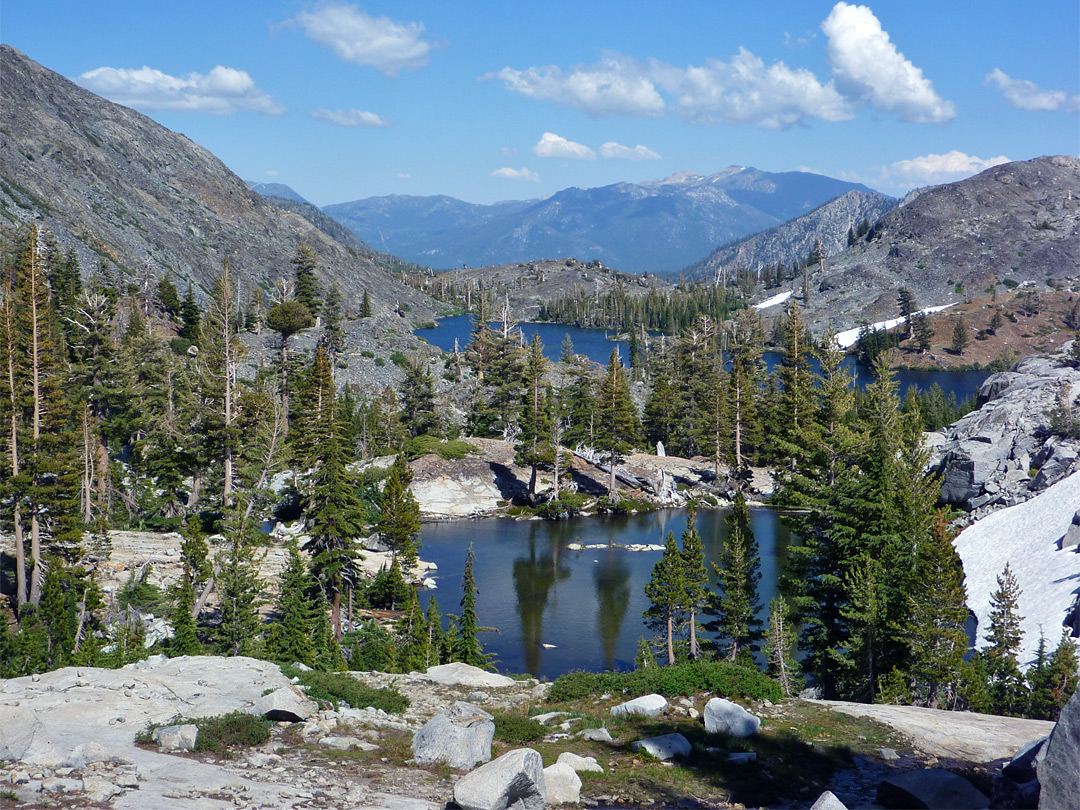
579, 763
647, 705
24, 739
286, 704
514, 780
459, 737
666, 746
458, 674
562, 783
724, 717
177, 738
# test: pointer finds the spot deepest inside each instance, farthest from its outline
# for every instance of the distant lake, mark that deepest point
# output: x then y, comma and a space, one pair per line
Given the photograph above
594, 344
559, 610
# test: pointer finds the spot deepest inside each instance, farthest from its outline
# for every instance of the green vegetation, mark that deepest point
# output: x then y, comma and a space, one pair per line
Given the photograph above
517, 729
337, 688
217, 735
680, 679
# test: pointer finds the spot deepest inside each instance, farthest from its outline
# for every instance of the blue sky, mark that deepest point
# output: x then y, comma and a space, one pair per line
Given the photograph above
487, 101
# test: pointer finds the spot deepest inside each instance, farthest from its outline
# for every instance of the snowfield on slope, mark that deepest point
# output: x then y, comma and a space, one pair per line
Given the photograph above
1025, 536
849, 337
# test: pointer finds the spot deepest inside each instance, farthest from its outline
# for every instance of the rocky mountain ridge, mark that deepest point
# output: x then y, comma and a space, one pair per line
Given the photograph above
793, 240
1014, 223
121, 189
637, 227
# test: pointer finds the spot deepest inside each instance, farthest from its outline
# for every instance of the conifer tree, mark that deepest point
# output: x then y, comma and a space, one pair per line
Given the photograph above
666, 591
936, 634
1053, 680
908, 307
779, 648
333, 314
960, 337
399, 514
365, 306
419, 412
185, 640
533, 443
743, 386
737, 604
617, 424
660, 410
308, 292
292, 636
190, 316
467, 647
1003, 636
695, 579
796, 400
923, 331
413, 650
435, 634
238, 586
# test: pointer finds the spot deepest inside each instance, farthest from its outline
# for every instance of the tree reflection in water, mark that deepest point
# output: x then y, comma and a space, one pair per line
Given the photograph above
534, 575
611, 577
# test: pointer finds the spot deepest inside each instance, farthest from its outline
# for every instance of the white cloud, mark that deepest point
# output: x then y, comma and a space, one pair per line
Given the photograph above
357, 37
617, 150
517, 174
350, 118
272, 172
868, 67
551, 145
1027, 95
933, 169
404, 176
222, 91
746, 91
613, 85
743, 90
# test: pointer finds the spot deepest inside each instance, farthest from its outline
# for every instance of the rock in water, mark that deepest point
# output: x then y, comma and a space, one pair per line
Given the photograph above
930, 789
666, 746
459, 737
648, 705
562, 783
514, 780
724, 717
1059, 772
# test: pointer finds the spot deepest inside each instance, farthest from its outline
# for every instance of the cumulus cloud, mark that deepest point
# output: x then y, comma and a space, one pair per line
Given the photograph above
742, 90
868, 67
350, 118
947, 168
357, 37
746, 91
222, 91
272, 172
617, 150
551, 145
404, 176
517, 174
615, 84
1027, 95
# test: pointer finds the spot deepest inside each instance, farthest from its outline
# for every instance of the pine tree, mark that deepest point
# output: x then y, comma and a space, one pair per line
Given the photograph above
1052, 681
1003, 637
435, 635
413, 650
617, 425
185, 640
190, 316
923, 332
308, 292
644, 658
292, 635
365, 306
936, 634
399, 514
533, 443
333, 314
660, 409
737, 604
695, 578
779, 648
419, 411
566, 350
908, 307
796, 402
959, 337
666, 591
467, 648
238, 587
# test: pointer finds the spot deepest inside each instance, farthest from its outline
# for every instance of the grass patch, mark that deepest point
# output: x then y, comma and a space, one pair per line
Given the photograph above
336, 688
449, 450
683, 679
217, 735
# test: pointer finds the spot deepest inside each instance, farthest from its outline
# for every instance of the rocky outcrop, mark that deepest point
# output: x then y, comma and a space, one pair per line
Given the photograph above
724, 717
459, 674
1004, 452
1059, 773
514, 781
287, 704
459, 737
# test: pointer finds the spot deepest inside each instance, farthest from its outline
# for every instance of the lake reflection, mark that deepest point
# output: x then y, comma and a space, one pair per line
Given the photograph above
558, 610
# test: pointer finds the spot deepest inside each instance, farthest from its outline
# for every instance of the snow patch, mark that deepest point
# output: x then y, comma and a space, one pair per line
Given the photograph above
848, 337
772, 302
1026, 536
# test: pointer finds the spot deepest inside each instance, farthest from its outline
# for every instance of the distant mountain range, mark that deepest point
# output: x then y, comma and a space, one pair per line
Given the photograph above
119, 188
276, 190
654, 226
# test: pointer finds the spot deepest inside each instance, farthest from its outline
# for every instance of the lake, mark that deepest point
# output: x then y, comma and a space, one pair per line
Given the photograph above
593, 343
559, 610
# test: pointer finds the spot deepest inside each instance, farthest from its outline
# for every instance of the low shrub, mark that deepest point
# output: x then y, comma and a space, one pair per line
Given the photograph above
517, 729
336, 688
449, 450
721, 677
218, 735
